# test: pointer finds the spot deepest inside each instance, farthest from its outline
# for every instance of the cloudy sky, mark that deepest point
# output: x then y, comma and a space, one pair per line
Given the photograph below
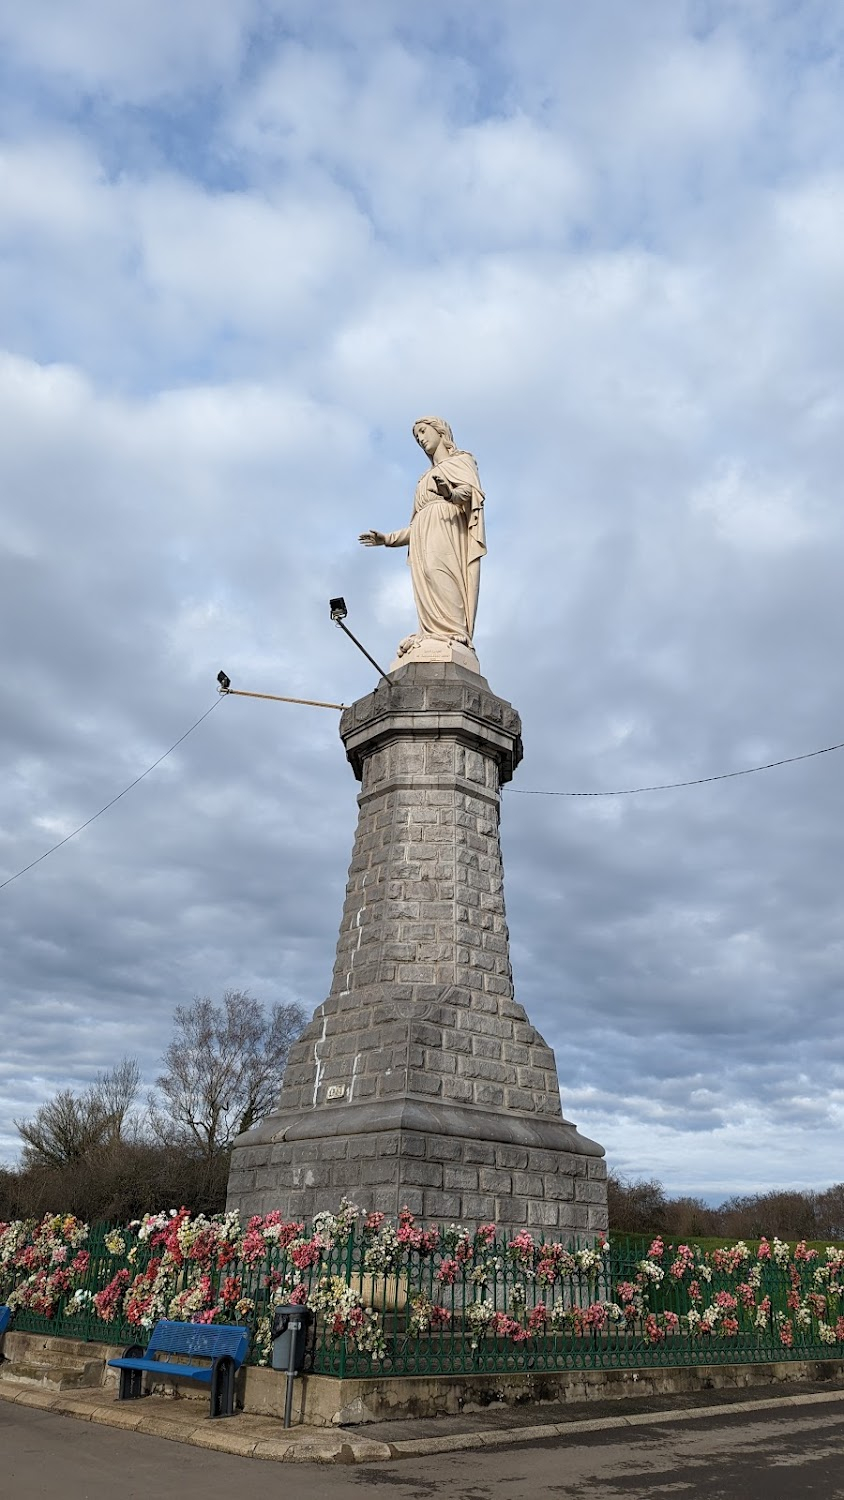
243, 244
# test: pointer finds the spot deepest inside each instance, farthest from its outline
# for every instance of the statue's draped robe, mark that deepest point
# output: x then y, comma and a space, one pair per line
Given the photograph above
446, 542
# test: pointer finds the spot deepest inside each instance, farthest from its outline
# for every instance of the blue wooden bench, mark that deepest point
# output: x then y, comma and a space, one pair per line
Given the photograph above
182, 1345
5, 1319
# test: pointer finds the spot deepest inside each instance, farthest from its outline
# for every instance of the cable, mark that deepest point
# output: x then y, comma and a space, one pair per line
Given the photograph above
126, 789
631, 791
670, 786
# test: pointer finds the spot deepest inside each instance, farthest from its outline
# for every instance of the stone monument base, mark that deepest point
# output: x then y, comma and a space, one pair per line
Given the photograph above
440, 1161
420, 1083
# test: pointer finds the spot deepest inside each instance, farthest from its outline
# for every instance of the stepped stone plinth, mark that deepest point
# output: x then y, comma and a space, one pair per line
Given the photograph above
420, 1081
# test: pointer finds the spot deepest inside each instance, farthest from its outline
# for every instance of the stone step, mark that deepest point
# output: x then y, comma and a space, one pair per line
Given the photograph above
57, 1364
58, 1376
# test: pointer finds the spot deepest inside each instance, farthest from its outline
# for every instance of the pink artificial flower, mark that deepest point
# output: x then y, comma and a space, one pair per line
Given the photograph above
546, 1270
593, 1318
537, 1318
289, 1231
308, 1253
254, 1246
802, 1252
231, 1291
653, 1333
106, 1302
505, 1327
447, 1273
203, 1247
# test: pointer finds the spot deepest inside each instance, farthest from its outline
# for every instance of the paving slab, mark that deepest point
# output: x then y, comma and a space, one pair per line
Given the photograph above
33, 1397
589, 1416
249, 1436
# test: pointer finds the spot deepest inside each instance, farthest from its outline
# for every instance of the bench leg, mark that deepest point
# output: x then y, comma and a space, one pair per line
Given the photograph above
131, 1381
222, 1387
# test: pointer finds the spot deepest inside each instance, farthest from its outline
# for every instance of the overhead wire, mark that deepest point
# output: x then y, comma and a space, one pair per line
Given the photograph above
670, 786
664, 786
94, 816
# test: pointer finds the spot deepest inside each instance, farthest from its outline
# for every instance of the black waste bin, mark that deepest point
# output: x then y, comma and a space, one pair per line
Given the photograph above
289, 1335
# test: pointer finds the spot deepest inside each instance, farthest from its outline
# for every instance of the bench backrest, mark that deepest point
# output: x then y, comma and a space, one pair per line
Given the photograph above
5, 1317
209, 1340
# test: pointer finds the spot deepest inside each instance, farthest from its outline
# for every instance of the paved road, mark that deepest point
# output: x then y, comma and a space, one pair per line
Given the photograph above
770, 1456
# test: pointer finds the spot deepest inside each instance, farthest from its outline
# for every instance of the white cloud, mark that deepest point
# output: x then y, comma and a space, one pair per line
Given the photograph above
756, 516
395, 129
133, 53
236, 260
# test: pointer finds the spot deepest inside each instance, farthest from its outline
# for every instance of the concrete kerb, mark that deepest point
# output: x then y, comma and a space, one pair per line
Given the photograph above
504, 1438
262, 1437
245, 1435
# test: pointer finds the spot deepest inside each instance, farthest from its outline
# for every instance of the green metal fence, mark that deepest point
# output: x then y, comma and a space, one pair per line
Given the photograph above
499, 1309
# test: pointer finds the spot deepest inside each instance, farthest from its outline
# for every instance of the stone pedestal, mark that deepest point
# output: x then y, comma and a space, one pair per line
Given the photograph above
420, 1081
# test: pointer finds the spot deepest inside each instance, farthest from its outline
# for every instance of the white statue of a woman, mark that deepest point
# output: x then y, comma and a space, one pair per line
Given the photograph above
446, 542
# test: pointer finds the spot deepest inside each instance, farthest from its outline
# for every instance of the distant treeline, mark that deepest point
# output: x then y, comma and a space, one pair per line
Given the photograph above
122, 1179
643, 1207
105, 1154
117, 1182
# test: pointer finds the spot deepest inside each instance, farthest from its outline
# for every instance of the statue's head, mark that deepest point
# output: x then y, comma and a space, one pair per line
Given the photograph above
440, 427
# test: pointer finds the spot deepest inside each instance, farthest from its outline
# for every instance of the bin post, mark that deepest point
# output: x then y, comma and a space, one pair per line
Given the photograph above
289, 1335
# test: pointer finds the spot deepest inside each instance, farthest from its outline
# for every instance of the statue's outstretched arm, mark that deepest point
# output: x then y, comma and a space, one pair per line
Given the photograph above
385, 538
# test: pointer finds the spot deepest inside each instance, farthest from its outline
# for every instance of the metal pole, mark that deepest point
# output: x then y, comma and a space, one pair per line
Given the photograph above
369, 658
288, 1397
277, 698
294, 1329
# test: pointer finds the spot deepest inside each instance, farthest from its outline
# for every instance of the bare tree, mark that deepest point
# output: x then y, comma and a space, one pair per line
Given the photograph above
117, 1091
829, 1210
70, 1127
223, 1068
635, 1207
